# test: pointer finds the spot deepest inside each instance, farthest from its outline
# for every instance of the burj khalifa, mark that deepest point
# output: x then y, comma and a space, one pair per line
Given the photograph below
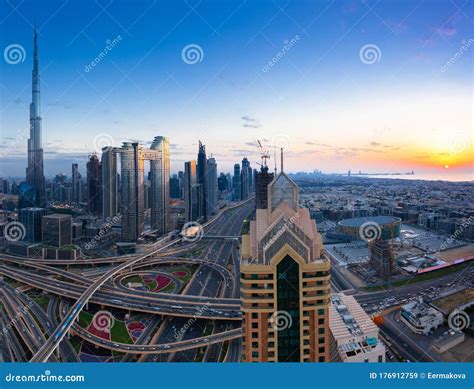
34, 170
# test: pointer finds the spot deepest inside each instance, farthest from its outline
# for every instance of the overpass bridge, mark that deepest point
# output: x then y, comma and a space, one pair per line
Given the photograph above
224, 237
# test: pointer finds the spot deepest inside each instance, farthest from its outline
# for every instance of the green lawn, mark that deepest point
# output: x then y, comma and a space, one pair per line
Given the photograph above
169, 288
39, 298
76, 343
132, 279
85, 318
120, 333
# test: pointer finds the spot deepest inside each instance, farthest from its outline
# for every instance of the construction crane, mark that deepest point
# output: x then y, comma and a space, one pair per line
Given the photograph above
264, 155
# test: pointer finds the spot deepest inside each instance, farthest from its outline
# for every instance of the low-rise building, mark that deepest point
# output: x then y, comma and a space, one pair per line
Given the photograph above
354, 336
420, 317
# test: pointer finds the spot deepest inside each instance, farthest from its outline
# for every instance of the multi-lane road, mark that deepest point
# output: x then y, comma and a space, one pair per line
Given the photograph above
209, 299
197, 321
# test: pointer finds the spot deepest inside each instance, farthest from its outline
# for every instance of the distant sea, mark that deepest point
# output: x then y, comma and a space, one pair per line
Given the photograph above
449, 176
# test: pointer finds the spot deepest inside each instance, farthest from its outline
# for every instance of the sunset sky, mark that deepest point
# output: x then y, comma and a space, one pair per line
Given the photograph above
329, 106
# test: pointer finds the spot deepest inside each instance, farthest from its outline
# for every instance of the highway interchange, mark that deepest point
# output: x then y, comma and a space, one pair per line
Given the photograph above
198, 322
204, 316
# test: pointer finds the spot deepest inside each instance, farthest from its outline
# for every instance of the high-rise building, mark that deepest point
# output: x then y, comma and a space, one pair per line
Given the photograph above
245, 178
109, 182
57, 230
181, 184
354, 336
262, 180
6, 186
159, 156
284, 281
202, 180
222, 183
132, 186
32, 219
191, 206
212, 185
131, 191
34, 170
174, 186
236, 184
94, 185
254, 173
76, 184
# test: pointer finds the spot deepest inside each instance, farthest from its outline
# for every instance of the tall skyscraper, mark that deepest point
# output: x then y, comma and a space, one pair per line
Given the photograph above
34, 170
222, 183
94, 185
212, 185
109, 182
132, 186
202, 181
245, 178
76, 184
285, 285
191, 204
236, 196
159, 156
174, 186
32, 219
181, 183
131, 191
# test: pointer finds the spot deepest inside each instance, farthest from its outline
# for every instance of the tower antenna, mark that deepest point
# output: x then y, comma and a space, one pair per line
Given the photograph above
275, 158
281, 153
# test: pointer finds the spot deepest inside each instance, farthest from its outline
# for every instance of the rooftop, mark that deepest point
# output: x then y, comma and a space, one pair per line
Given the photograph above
356, 222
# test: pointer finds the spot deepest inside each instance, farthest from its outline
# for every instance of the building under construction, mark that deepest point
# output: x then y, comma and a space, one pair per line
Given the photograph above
382, 258
262, 180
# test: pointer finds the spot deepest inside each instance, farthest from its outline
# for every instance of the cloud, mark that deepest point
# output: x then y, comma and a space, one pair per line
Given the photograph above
250, 122
447, 30
309, 143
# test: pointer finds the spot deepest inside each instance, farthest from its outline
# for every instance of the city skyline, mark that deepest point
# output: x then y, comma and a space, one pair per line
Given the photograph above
208, 181
237, 99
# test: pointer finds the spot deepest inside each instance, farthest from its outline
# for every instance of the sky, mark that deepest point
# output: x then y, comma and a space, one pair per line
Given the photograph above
376, 86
